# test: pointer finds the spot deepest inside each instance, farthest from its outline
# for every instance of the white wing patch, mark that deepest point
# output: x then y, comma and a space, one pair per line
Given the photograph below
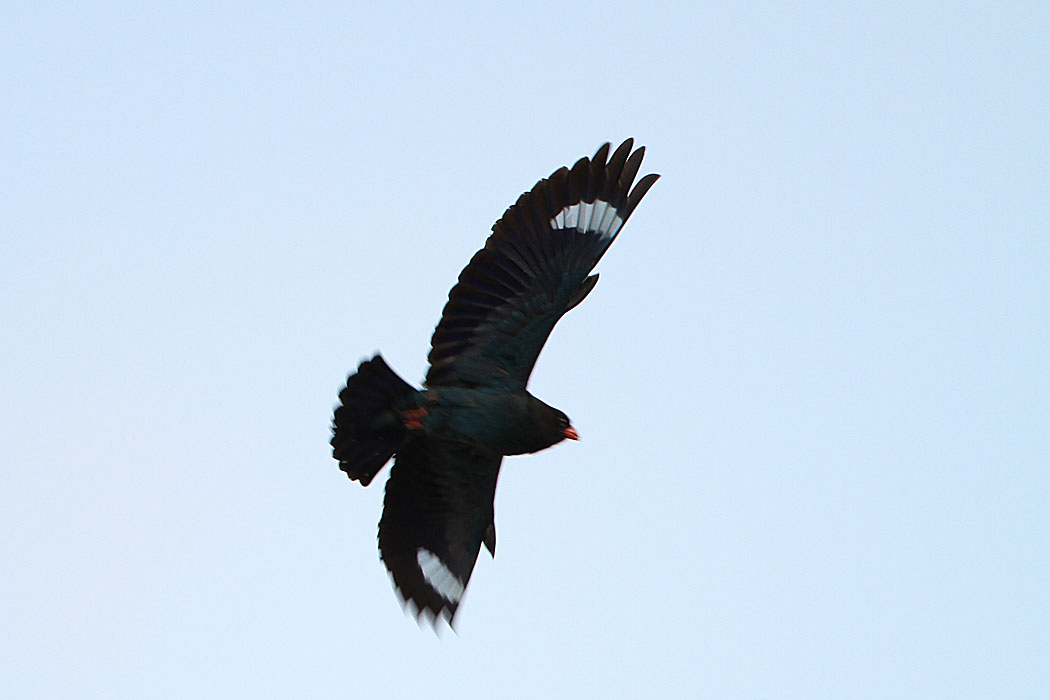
438, 576
598, 217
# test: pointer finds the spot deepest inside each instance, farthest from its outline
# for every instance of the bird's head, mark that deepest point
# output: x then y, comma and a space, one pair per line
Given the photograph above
566, 429
551, 426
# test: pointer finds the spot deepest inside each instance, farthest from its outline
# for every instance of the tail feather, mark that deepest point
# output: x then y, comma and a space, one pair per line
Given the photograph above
367, 429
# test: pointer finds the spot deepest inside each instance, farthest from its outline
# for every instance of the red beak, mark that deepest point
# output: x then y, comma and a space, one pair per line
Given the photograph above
571, 433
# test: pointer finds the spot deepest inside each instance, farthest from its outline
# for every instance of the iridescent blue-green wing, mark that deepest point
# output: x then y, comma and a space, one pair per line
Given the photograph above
533, 269
437, 512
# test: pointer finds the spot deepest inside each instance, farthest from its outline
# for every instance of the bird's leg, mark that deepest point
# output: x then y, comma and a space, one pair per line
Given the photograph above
413, 418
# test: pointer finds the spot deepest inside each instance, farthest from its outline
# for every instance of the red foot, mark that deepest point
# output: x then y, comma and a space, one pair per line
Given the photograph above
414, 418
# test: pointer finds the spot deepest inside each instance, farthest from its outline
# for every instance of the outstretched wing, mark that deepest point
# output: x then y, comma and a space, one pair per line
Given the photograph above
532, 270
437, 511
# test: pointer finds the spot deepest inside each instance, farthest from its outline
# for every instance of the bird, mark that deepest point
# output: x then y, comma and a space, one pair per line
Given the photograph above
448, 439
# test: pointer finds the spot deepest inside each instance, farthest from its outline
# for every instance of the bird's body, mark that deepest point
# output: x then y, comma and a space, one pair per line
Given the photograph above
480, 418
449, 438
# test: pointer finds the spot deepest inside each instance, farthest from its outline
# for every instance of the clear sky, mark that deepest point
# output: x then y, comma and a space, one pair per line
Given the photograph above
813, 384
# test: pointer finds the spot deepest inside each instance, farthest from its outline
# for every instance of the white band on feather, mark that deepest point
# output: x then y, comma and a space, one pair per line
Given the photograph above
598, 217
439, 577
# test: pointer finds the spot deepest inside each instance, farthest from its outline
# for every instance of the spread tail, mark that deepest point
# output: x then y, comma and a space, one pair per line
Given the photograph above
367, 428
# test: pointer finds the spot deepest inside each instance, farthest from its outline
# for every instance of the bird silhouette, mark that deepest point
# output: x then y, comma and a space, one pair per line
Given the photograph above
449, 438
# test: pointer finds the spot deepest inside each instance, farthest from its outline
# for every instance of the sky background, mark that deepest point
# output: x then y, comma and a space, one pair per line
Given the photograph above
813, 384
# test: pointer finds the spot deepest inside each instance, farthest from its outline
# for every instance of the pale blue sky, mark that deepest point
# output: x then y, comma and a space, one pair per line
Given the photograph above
813, 384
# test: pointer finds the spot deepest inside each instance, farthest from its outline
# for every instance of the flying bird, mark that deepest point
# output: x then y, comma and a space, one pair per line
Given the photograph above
449, 438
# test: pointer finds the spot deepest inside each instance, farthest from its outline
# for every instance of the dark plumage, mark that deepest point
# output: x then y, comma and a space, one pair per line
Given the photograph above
449, 439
